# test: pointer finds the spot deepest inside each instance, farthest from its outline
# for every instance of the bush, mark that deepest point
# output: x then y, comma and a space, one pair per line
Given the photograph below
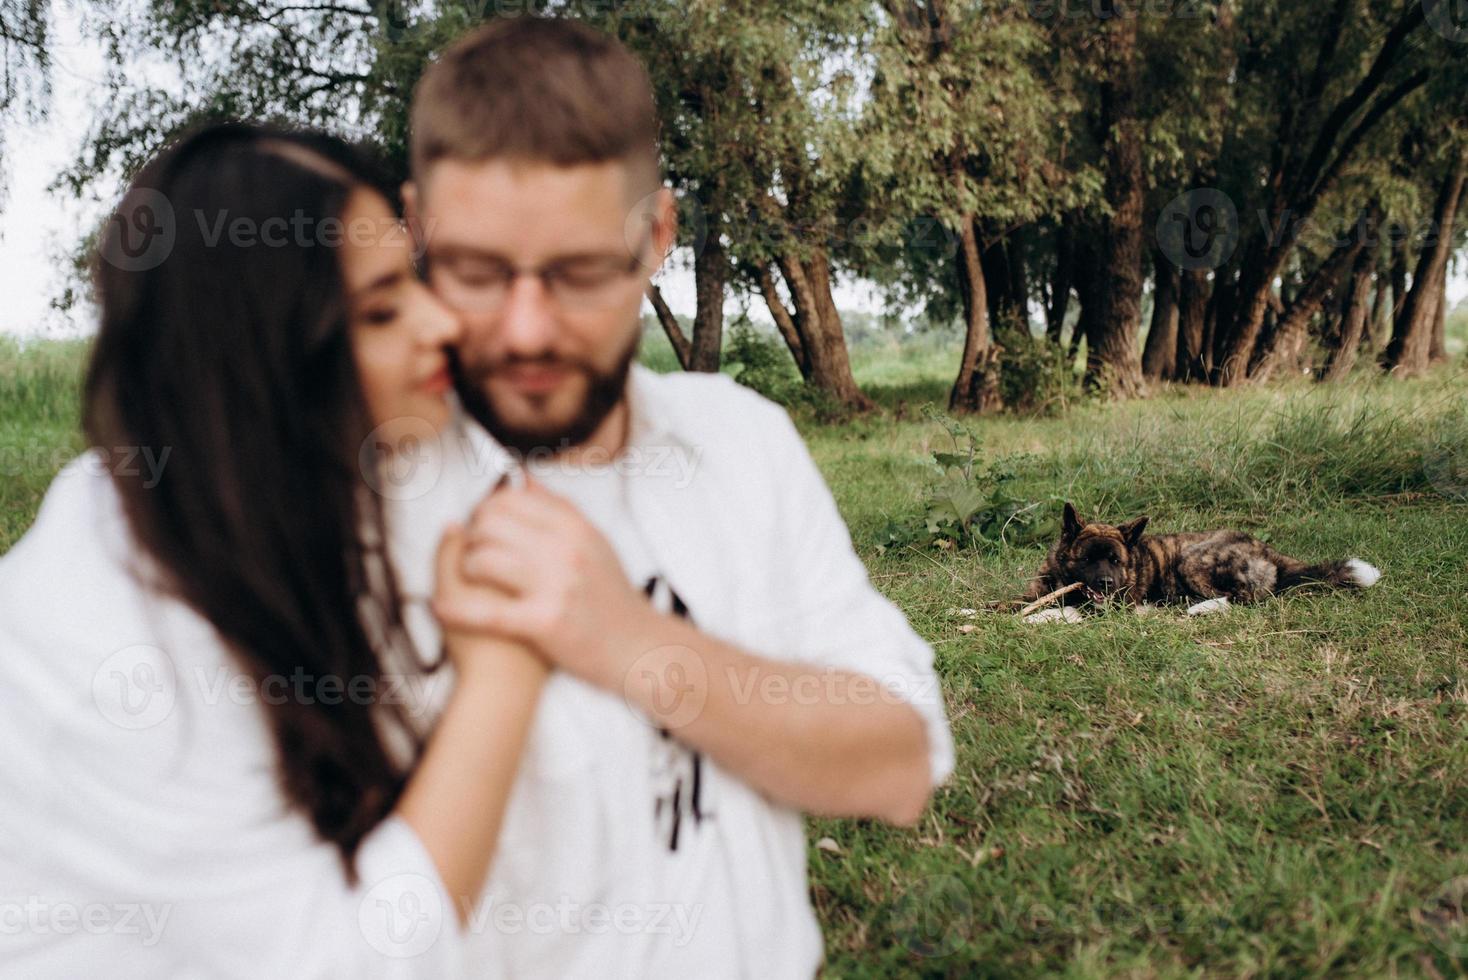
764, 363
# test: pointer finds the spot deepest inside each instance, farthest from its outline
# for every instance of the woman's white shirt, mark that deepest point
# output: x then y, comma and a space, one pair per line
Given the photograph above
143, 828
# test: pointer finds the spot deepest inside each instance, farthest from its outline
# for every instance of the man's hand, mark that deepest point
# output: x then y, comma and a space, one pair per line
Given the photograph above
556, 584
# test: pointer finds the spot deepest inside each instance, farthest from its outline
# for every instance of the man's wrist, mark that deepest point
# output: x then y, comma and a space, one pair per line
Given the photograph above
647, 631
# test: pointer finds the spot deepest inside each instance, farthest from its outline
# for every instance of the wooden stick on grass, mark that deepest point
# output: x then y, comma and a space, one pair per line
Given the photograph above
1045, 600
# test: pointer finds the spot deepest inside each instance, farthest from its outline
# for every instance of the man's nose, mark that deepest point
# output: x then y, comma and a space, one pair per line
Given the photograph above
528, 319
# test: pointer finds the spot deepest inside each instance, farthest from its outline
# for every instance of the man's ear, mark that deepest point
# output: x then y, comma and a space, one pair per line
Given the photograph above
1131, 531
664, 217
413, 214
1071, 524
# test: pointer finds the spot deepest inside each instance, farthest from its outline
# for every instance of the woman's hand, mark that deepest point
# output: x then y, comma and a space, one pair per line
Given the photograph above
474, 654
455, 801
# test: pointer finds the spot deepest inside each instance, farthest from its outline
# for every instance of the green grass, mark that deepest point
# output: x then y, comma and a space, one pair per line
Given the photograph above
1277, 791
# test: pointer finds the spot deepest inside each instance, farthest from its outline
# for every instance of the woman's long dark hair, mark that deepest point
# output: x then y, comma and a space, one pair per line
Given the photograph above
224, 341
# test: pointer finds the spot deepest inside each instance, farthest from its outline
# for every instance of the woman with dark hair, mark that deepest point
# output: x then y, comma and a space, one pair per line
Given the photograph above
209, 767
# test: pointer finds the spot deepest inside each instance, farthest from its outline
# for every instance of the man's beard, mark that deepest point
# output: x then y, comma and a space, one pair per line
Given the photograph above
604, 391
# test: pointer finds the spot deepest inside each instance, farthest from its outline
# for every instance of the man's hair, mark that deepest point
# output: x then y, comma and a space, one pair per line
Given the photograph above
537, 90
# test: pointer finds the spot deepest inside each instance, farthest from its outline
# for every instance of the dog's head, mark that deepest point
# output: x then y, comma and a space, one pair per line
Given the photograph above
1096, 555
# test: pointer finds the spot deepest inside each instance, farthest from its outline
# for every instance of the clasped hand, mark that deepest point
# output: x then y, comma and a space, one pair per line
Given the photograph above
531, 568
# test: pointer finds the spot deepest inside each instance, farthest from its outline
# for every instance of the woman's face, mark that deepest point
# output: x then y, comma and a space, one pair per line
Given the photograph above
399, 330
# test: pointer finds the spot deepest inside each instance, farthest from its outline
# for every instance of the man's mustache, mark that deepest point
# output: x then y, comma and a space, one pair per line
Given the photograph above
477, 373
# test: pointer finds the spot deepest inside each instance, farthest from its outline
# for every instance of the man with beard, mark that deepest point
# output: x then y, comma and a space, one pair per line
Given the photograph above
722, 662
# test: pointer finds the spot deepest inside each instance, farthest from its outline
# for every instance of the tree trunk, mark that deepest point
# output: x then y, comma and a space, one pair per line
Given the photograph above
1192, 345
1289, 336
1437, 351
819, 327
681, 347
1112, 358
1407, 354
1371, 338
1353, 318
1159, 359
711, 278
976, 389
1060, 285
784, 322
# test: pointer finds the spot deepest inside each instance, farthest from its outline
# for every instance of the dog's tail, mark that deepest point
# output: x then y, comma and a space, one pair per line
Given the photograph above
1348, 573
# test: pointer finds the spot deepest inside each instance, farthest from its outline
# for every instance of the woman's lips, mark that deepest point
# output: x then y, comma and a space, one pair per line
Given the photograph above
438, 382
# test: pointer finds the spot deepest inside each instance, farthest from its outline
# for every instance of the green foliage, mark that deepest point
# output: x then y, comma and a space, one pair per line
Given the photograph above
1038, 377
759, 360
970, 504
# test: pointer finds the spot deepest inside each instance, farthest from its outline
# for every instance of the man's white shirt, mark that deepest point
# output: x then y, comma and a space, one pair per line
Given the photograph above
717, 502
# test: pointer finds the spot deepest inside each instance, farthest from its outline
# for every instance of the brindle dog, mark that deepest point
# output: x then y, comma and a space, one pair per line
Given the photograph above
1209, 569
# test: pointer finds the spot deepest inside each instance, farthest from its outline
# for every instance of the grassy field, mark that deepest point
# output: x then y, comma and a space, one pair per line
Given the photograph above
1278, 791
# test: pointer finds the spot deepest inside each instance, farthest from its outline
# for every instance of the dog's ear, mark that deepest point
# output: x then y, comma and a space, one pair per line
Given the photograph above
1132, 530
1071, 524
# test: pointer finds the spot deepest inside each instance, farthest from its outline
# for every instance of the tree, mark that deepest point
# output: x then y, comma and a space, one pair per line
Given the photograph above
1321, 110
960, 127
1410, 348
25, 49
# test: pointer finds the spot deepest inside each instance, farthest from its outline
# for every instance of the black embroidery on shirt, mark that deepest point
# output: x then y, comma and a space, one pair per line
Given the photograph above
680, 768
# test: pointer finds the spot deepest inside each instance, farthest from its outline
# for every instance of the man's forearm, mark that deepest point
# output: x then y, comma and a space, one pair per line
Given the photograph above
822, 741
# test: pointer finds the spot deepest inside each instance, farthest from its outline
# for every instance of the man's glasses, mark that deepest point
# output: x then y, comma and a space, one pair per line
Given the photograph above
478, 283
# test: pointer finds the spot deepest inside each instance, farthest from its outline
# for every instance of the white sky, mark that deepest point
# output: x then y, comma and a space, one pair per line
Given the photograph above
39, 229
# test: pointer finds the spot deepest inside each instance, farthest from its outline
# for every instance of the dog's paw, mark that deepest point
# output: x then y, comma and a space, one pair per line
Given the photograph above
1208, 606
1064, 614
1362, 574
